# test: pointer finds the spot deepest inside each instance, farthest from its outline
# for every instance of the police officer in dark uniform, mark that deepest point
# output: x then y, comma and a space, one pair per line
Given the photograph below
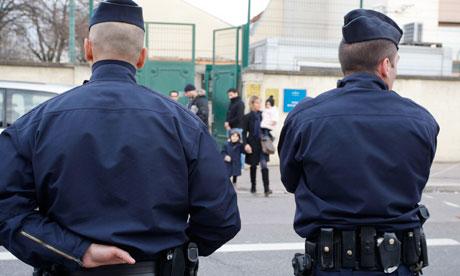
357, 159
111, 178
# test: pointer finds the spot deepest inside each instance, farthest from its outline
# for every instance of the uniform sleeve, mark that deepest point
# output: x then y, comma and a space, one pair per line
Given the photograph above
25, 231
290, 160
214, 215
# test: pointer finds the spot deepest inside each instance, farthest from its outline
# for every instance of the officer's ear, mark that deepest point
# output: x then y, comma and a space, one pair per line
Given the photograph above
384, 68
142, 58
88, 51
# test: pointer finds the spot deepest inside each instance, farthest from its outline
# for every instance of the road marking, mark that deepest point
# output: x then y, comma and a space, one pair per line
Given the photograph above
445, 170
442, 242
7, 256
428, 196
451, 204
257, 247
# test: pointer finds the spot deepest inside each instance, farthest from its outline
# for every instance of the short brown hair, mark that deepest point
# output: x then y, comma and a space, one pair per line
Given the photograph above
365, 56
252, 99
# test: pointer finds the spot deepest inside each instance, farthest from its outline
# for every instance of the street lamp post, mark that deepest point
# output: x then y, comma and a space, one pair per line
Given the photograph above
361, 4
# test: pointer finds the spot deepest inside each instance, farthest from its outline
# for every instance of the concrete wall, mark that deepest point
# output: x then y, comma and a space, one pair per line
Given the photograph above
50, 74
441, 97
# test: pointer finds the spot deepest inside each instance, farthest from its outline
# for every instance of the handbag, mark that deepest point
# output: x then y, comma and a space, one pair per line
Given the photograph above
267, 145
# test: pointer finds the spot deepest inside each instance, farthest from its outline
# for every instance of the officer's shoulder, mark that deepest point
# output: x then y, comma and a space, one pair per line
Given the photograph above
173, 108
35, 115
421, 111
305, 109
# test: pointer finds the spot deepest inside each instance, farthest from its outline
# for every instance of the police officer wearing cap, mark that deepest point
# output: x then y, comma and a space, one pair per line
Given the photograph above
111, 178
357, 159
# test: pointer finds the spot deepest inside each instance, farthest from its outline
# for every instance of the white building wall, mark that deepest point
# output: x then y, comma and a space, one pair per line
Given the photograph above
178, 11
441, 97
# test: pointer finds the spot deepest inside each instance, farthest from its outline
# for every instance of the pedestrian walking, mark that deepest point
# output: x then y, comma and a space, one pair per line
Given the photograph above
232, 150
198, 103
252, 138
235, 112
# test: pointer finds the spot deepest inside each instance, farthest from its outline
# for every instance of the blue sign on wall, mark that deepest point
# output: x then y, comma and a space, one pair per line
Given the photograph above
292, 97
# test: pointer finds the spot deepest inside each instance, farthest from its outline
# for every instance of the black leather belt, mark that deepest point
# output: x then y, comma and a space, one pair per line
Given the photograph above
139, 269
333, 249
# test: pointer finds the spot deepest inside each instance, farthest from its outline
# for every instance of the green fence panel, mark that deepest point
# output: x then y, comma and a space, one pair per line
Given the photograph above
171, 57
223, 75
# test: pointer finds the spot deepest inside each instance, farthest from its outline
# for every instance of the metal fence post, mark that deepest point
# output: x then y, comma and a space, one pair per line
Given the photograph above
246, 38
91, 8
72, 54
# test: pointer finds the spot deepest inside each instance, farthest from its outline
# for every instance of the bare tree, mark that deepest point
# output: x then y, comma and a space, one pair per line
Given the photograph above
8, 13
10, 44
45, 27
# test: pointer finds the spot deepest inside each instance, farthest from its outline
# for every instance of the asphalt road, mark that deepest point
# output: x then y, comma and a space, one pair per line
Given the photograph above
267, 241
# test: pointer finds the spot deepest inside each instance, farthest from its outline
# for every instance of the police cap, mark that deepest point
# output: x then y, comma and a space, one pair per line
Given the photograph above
364, 25
126, 11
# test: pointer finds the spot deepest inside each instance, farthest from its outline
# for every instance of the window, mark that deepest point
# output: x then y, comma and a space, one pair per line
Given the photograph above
22, 101
2, 109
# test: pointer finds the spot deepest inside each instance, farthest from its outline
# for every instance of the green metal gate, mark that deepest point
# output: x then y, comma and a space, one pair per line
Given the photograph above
171, 57
223, 74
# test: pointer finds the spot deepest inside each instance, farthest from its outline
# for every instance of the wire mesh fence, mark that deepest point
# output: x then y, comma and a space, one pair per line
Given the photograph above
292, 35
227, 46
170, 41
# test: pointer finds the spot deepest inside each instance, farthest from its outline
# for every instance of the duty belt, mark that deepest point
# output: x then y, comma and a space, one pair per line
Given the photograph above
179, 261
363, 250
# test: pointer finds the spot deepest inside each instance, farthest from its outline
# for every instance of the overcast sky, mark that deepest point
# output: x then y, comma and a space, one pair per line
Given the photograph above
234, 12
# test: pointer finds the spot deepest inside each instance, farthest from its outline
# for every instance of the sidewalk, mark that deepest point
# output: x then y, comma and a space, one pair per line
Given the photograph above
445, 177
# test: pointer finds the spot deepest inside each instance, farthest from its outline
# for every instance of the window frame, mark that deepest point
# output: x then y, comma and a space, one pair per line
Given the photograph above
9, 92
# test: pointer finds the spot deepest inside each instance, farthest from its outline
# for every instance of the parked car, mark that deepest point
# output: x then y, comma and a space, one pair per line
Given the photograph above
18, 98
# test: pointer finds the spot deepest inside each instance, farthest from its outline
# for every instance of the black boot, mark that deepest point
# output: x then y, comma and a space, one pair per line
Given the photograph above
266, 181
253, 172
234, 179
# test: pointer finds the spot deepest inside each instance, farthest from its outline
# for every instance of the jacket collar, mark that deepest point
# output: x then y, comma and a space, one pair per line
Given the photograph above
363, 80
113, 70
236, 99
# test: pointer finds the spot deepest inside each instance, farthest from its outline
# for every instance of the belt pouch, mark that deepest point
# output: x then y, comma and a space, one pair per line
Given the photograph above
326, 249
348, 249
368, 247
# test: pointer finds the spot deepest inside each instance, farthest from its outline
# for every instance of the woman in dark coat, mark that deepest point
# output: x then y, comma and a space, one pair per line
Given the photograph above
252, 135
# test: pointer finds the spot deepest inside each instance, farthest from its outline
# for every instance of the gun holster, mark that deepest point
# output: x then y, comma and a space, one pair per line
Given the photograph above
181, 261
191, 261
303, 264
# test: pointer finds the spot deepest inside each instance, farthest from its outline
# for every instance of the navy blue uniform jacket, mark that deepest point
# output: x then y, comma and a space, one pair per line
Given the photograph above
357, 155
114, 163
